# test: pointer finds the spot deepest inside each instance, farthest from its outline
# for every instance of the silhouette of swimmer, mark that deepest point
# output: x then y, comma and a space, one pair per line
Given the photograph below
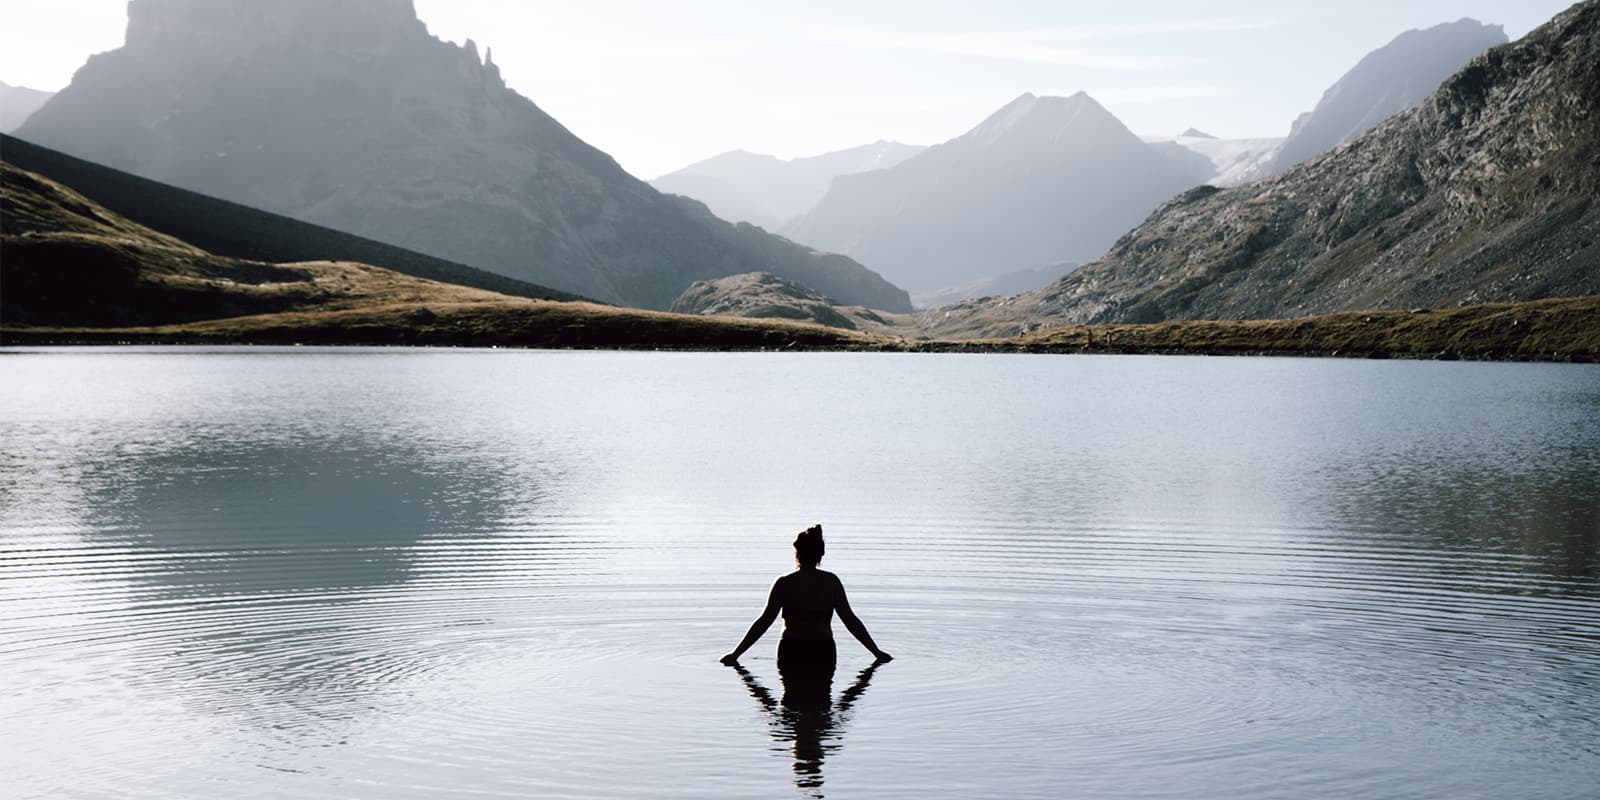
808, 599
807, 718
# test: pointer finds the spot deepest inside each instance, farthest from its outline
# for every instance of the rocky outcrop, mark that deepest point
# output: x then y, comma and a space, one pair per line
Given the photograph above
347, 113
762, 295
1486, 192
17, 103
1387, 81
769, 191
1042, 180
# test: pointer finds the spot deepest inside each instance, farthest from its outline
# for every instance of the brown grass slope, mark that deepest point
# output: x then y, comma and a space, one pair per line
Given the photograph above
71, 271
1560, 329
1486, 192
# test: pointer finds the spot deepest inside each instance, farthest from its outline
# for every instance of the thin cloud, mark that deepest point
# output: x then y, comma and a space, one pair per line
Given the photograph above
1037, 45
812, 105
1133, 95
1123, 30
1000, 46
646, 52
979, 105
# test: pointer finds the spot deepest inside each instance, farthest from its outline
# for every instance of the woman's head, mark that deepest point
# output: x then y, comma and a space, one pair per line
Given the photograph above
808, 547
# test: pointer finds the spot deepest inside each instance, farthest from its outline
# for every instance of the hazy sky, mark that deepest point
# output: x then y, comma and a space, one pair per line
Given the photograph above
662, 83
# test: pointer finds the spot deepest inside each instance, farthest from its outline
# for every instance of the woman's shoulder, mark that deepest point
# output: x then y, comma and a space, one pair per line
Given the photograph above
808, 576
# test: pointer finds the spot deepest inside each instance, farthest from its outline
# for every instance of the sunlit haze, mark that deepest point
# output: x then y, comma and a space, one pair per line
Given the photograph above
660, 85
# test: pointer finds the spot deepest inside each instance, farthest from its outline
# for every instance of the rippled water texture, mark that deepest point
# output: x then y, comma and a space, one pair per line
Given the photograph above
419, 574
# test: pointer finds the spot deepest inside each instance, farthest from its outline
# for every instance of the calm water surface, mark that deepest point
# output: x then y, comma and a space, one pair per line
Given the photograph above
419, 574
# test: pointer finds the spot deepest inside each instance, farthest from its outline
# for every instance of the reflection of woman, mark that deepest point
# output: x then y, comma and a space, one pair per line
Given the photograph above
807, 718
808, 599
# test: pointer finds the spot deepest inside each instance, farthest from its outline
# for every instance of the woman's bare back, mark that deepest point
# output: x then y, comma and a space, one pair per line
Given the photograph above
808, 598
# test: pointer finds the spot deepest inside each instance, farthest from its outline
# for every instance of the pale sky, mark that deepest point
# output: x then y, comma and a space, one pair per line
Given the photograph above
660, 84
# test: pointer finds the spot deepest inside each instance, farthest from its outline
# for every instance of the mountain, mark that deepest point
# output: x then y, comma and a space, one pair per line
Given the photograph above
1486, 192
1384, 83
17, 103
1042, 180
769, 191
1387, 81
236, 231
349, 114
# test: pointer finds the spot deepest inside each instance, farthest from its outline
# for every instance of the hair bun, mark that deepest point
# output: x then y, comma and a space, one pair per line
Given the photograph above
808, 546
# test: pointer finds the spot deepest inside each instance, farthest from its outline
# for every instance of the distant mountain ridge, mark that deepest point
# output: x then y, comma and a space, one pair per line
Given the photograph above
1012, 283
1040, 181
1486, 192
349, 114
741, 186
17, 103
1235, 161
1385, 82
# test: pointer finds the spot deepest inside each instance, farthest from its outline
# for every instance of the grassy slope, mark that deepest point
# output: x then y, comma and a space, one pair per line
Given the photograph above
73, 271
230, 229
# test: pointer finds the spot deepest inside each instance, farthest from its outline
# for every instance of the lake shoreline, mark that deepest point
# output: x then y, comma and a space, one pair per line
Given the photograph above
1556, 330
931, 348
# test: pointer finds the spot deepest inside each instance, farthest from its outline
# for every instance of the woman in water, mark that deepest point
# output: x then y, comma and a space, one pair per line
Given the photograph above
808, 598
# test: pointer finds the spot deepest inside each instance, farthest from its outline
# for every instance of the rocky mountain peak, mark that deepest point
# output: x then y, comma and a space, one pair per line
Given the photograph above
1031, 120
1483, 192
1385, 82
1040, 181
342, 24
349, 114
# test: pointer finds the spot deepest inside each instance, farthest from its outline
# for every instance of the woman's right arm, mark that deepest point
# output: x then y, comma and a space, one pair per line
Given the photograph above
759, 627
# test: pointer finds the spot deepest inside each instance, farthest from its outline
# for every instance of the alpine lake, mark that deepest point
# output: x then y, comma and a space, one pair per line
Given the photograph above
392, 573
